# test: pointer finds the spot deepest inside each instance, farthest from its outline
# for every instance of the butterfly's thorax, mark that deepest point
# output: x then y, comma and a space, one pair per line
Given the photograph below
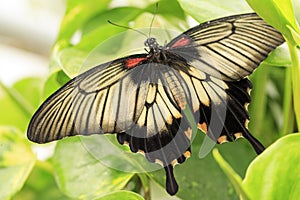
153, 45
157, 52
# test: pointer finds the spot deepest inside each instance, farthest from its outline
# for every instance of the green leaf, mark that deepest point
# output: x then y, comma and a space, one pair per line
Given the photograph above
80, 175
275, 173
17, 103
122, 195
78, 12
30, 90
99, 32
40, 183
279, 57
16, 161
54, 82
207, 10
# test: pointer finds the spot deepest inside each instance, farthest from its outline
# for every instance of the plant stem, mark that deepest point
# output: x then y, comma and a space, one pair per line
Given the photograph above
259, 100
295, 80
288, 116
233, 177
146, 186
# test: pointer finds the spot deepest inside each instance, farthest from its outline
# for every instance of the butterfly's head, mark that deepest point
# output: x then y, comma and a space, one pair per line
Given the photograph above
152, 44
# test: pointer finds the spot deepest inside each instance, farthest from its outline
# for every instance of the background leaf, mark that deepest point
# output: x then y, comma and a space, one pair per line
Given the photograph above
17, 102
121, 195
207, 10
16, 161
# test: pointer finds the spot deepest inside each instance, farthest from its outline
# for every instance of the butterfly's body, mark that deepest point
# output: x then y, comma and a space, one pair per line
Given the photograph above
143, 97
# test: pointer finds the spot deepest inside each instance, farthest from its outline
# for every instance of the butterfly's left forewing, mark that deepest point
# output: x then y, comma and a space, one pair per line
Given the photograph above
104, 99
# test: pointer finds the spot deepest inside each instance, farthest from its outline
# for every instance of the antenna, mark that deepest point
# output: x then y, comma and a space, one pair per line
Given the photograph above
154, 14
127, 27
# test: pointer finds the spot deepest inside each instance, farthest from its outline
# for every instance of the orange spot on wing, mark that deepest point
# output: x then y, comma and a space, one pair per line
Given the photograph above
203, 127
222, 139
187, 154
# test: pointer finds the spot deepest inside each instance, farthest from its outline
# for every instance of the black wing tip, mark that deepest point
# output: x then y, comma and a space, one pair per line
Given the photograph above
171, 184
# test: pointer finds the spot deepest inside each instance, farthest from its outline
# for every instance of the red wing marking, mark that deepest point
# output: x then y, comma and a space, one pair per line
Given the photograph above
181, 42
131, 63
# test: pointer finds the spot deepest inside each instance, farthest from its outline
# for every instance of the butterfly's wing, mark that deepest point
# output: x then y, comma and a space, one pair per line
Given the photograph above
229, 48
104, 99
221, 54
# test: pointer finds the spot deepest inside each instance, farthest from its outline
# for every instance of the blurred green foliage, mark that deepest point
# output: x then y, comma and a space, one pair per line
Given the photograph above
73, 173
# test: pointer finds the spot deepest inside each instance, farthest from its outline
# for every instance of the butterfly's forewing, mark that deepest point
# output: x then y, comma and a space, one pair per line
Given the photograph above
91, 103
221, 54
231, 47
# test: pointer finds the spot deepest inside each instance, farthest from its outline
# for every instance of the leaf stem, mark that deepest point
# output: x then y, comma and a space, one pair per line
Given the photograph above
295, 80
287, 127
258, 104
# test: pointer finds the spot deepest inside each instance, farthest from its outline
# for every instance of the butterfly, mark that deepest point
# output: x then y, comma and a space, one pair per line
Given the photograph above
143, 97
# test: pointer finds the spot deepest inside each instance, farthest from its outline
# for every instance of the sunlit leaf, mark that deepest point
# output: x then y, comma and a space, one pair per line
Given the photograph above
45, 187
16, 161
275, 173
17, 102
77, 14
207, 10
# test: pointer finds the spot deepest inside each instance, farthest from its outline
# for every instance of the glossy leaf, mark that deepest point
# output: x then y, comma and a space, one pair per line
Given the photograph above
41, 183
80, 175
275, 173
207, 10
77, 14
